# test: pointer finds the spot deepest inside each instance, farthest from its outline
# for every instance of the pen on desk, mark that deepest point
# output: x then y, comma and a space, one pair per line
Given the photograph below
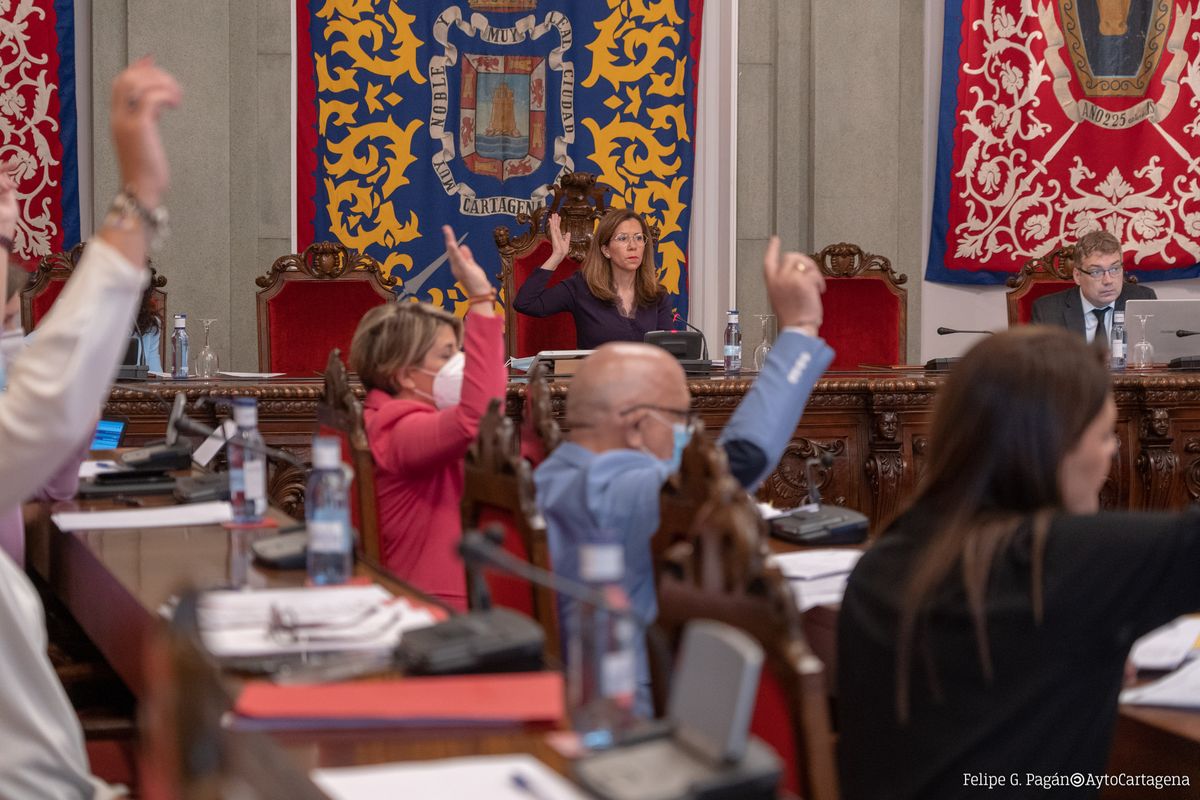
521, 782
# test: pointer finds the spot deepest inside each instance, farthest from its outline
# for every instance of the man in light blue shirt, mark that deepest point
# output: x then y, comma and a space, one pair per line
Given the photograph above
624, 408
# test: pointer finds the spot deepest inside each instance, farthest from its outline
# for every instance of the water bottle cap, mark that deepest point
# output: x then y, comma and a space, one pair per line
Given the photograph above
181, 320
733, 315
601, 562
327, 452
245, 412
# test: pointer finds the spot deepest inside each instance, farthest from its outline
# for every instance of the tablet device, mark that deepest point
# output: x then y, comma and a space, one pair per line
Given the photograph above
109, 433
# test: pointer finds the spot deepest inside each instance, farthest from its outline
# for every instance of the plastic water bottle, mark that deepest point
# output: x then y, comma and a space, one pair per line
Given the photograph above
601, 661
327, 514
179, 347
733, 344
1117, 349
247, 468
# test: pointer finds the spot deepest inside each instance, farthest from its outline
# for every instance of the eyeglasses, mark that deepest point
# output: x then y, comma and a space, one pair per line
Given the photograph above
1098, 273
624, 238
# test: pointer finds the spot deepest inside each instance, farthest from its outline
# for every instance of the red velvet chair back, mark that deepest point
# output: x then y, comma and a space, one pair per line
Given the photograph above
498, 487
540, 432
1039, 277
340, 414
48, 278
720, 572
579, 201
311, 302
866, 307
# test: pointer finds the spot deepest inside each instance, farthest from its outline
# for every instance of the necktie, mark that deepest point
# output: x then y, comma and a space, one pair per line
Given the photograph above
1100, 331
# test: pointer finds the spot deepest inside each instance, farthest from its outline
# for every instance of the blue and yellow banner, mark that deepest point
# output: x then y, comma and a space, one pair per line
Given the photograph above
416, 113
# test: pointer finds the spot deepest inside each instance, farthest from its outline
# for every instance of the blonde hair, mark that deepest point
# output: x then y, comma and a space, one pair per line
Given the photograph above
394, 336
597, 268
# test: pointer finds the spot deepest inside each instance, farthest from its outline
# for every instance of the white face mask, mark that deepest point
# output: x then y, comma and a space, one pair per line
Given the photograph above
448, 381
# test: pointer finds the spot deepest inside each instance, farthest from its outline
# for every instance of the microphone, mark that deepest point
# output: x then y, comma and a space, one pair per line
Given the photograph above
814, 491
173, 419
479, 550
1182, 333
185, 424
677, 317
945, 331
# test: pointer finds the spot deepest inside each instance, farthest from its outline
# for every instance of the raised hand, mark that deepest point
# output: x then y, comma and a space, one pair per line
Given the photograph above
560, 242
794, 287
139, 95
465, 269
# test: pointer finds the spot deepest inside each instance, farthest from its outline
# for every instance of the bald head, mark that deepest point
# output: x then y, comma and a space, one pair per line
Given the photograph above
616, 377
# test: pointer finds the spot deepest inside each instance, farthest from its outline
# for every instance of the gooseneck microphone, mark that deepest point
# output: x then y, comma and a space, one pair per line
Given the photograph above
1182, 333
703, 339
946, 331
185, 424
814, 490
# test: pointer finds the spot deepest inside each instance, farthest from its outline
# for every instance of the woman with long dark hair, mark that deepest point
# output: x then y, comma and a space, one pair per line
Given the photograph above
615, 296
985, 634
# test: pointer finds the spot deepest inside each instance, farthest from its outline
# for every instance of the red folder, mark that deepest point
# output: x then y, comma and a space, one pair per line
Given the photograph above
507, 697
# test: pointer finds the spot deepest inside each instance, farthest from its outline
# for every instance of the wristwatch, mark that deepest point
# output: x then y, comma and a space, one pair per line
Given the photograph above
126, 206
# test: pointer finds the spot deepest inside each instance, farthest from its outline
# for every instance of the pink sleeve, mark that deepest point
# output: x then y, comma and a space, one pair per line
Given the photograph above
417, 441
64, 483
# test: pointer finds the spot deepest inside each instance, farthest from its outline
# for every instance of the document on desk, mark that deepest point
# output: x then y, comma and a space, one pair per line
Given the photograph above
163, 517
817, 577
251, 375
1167, 647
309, 620
510, 777
1180, 689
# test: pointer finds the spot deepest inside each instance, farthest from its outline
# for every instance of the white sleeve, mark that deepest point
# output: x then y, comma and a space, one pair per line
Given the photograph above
41, 745
57, 386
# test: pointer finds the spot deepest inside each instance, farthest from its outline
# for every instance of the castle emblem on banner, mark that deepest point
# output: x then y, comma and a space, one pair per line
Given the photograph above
499, 130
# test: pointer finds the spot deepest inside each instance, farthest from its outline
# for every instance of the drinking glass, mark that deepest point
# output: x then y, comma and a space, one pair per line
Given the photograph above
1141, 355
767, 323
207, 364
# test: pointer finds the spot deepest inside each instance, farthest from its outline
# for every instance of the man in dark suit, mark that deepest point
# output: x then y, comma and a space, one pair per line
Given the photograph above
1102, 288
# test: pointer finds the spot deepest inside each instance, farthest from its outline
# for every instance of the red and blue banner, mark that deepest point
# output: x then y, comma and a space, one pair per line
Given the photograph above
38, 122
1059, 117
415, 113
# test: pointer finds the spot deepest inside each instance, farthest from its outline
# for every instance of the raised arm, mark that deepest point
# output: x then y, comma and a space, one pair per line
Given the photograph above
764, 421
534, 298
58, 384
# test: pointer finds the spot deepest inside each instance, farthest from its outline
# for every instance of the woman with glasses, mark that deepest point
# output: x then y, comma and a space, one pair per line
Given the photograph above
615, 296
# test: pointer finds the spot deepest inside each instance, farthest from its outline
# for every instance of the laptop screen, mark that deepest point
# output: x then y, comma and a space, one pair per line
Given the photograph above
108, 434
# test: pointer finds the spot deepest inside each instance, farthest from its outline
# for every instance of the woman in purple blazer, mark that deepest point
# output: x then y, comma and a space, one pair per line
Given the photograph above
615, 296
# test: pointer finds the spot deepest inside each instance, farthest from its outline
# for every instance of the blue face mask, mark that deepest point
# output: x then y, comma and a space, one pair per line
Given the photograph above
681, 435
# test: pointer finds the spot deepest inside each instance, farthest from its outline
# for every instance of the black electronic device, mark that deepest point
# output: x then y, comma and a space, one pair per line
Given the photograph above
684, 345
127, 482
940, 364
203, 488
495, 640
1184, 363
161, 457
285, 551
817, 524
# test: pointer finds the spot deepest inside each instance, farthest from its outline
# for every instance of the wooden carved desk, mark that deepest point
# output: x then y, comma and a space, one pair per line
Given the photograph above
875, 425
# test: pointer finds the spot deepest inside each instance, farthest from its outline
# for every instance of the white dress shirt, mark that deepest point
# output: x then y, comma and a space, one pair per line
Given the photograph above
1089, 319
54, 392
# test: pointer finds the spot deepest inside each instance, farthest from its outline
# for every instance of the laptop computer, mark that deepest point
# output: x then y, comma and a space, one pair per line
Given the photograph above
1164, 319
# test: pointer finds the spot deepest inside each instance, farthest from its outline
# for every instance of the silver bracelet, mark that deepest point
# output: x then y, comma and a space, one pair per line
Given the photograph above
125, 206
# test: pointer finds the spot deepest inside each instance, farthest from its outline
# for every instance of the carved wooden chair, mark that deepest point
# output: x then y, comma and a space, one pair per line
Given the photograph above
579, 201
540, 432
702, 470
1039, 277
311, 302
340, 414
188, 754
498, 490
46, 284
721, 573
866, 307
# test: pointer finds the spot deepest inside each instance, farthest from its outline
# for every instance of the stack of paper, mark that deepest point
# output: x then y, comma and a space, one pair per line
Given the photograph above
1167, 647
1180, 689
515, 777
310, 620
164, 517
817, 577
